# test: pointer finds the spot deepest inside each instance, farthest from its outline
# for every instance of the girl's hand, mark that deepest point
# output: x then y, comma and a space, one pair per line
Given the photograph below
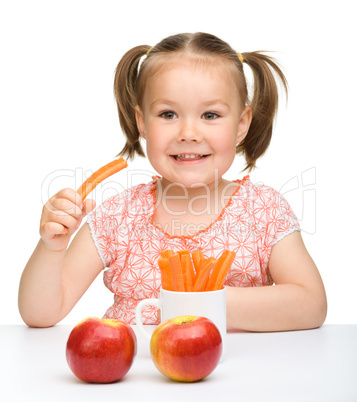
61, 217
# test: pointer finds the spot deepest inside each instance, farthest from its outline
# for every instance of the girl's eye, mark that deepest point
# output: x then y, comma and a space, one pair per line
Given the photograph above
168, 115
210, 115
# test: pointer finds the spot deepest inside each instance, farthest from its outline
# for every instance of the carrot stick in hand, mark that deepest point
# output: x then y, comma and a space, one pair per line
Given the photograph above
101, 174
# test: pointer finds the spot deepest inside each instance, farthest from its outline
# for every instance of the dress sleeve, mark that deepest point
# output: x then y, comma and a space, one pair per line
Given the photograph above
104, 223
281, 219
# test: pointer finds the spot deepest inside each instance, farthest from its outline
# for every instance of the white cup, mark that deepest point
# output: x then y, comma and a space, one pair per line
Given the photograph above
172, 304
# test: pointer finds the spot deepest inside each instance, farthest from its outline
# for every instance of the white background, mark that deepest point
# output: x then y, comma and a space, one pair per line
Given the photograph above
59, 120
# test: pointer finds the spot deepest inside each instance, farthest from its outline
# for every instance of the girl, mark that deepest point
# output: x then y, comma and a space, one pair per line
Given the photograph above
188, 102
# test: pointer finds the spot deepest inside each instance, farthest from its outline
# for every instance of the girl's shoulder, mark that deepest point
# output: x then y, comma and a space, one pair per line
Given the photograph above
263, 200
258, 191
266, 209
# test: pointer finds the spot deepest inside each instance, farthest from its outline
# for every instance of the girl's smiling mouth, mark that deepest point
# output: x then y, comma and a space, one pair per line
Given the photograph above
188, 157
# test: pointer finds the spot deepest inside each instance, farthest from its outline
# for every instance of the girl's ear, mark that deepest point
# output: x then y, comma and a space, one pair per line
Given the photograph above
140, 121
244, 123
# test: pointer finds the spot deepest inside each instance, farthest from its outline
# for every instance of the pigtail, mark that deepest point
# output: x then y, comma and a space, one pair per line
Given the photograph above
125, 94
264, 104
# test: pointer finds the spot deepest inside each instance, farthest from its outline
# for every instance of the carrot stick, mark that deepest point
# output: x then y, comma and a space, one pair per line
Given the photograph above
167, 253
182, 252
220, 271
186, 271
176, 273
197, 256
101, 174
214, 275
164, 267
202, 276
191, 268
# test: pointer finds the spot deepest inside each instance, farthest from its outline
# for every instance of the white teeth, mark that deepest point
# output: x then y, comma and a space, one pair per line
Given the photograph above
188, 156
182, 157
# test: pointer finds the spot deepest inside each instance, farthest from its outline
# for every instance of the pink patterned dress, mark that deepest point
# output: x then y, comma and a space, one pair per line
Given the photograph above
129, 243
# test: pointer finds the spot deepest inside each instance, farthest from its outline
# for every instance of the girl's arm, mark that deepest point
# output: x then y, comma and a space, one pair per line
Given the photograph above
296, 301
55, 277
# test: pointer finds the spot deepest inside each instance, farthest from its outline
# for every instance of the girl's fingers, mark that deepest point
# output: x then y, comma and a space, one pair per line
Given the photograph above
71, 195
64, 219
63, 213
51, 229
67, 206
66, 200
60, 205
88, 206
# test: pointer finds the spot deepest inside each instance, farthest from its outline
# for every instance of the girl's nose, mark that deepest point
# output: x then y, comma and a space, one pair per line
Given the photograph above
188, 132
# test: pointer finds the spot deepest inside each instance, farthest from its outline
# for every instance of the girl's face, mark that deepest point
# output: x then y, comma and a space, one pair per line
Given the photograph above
192, 119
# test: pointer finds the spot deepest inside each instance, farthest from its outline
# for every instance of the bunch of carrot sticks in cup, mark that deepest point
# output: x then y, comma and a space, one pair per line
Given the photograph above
193, 272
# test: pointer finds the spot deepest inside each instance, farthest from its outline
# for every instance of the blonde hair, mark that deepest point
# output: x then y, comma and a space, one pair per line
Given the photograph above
129, 85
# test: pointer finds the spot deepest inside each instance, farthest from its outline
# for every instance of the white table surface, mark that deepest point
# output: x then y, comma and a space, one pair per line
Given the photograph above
317, 365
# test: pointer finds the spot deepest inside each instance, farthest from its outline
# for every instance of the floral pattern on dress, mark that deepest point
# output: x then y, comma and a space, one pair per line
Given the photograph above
129, 243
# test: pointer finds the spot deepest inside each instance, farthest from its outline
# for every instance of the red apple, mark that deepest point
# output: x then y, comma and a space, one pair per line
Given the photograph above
186, 348
101, 350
